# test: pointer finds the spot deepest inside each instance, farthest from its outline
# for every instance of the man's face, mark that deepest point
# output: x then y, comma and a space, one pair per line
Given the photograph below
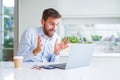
50, 26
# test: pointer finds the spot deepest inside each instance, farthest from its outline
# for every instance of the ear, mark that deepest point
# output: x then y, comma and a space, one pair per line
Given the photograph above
42, 22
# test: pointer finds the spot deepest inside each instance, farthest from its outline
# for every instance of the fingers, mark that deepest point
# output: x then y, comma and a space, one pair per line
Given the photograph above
65, 46
56, 42
39, 46
39, 41
60, 46
65, 41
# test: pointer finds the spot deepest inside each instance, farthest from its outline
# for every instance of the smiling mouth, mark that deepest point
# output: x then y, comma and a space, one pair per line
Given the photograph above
51, 32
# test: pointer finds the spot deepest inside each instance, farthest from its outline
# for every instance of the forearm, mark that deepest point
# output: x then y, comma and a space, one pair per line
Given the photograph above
36, 51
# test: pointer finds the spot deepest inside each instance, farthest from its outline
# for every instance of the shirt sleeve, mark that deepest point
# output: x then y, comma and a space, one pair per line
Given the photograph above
25, 47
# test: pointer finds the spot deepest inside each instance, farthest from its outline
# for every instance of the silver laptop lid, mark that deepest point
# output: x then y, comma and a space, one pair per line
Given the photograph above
80, 55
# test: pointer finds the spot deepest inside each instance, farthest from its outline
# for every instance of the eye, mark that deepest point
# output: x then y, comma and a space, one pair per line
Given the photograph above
52, 24
57, 24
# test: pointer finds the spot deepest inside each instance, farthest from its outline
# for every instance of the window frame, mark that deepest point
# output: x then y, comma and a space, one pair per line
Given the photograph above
15, 28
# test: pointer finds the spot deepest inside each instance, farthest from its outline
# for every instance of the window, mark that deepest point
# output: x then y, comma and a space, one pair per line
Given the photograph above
103, 32
6, 29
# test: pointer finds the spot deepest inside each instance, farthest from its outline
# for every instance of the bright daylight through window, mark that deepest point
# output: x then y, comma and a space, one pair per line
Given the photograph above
106, 36
6, 30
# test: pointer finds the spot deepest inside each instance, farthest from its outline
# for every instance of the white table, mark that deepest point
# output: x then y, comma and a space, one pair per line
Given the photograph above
97, 70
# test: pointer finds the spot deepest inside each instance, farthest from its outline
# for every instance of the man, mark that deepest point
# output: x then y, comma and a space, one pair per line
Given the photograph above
42, 43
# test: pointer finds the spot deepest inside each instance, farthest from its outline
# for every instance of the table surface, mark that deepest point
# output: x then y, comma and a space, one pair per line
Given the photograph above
95, 71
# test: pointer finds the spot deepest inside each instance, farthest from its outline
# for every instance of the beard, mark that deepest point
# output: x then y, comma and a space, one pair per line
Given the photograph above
47, 32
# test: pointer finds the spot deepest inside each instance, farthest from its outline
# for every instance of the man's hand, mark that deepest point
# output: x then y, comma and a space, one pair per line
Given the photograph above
61, 46
39, 46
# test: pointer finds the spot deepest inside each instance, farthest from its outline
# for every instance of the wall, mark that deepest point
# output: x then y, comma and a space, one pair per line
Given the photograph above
30, 12
0, 29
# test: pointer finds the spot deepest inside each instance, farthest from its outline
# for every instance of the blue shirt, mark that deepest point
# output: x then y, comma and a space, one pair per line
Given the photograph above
29, 42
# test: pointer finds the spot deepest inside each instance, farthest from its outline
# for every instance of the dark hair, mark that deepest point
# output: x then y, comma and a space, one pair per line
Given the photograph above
50, 12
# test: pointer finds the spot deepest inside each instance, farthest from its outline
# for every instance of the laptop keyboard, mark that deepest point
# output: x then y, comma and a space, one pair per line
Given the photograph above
61, 65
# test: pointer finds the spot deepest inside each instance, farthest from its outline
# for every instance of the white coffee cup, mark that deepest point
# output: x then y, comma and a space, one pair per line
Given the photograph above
18, 62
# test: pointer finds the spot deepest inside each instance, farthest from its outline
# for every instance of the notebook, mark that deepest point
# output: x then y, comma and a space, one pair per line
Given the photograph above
80, 55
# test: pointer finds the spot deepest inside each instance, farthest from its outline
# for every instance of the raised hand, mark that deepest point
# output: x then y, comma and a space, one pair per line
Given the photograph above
60, 46
39, 46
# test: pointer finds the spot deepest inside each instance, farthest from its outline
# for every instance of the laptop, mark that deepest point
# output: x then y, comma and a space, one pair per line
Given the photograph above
80, 55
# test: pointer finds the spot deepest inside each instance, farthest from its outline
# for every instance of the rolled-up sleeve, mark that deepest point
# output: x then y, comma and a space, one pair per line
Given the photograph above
25, 47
